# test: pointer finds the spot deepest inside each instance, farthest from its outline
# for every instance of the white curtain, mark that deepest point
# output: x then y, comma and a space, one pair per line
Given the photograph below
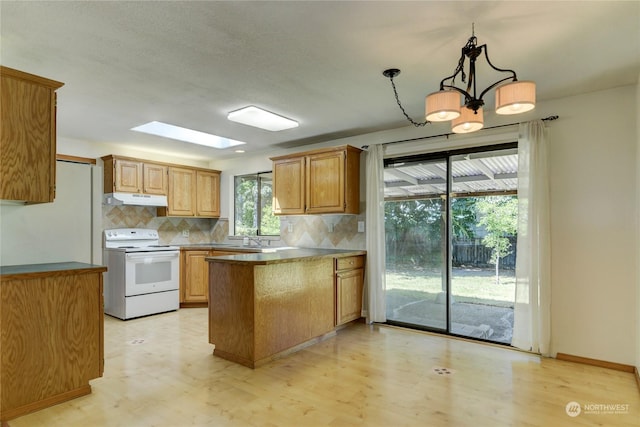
532, 312
374, 295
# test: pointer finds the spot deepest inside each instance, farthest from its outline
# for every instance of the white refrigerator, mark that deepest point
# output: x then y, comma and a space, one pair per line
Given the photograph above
68, 229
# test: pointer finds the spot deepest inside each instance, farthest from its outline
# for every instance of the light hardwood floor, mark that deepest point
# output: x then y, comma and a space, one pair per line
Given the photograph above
159, 371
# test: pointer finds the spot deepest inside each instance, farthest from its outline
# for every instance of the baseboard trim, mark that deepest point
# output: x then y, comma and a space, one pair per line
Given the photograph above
9, 414
595, 362
194, 304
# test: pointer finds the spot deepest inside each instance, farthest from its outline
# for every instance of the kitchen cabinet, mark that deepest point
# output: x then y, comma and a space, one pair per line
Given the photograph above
27, 136
349, 282
288, 186
154, 179
193, 192
127, 175
51, 334
207, 193
194, 276
182, 193
264, 309
194, 282
317, 182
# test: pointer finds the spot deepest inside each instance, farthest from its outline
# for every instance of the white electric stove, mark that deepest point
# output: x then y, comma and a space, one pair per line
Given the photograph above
143, 276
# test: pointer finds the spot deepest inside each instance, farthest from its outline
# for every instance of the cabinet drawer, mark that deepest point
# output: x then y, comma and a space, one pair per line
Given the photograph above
348, 263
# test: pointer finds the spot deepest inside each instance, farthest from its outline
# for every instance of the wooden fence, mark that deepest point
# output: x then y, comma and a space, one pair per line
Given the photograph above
472, 253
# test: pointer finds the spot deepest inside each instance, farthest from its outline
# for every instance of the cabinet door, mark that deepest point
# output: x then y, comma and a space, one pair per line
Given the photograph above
155, 179
182, 192
288, 186
196, 277
27, 140
349, 295
325, 182
128, 176
208, 194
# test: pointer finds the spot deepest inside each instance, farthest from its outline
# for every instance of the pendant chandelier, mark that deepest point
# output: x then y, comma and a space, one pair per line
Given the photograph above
463, 106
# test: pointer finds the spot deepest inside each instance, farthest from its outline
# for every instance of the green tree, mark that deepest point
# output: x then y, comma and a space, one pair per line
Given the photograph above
499, 217
269, 223
463, 217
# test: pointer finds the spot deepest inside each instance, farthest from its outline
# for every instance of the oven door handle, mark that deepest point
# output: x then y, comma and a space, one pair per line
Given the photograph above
154, 255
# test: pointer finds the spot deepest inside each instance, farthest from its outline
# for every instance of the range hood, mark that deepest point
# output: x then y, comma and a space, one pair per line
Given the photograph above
115, 199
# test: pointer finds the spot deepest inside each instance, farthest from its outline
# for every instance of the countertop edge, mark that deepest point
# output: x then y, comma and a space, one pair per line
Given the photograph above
29, 271
290, 255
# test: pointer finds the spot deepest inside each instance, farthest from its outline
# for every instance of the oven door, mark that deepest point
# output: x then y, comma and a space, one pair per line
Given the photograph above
148, 272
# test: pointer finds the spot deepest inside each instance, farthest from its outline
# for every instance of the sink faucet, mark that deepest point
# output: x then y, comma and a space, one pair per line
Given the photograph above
248, 239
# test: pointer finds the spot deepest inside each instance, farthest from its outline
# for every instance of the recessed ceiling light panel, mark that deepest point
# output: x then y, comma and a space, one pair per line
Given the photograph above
187, 135
257, 117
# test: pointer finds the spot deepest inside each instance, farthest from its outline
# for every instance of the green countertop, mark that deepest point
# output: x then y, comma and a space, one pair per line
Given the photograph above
33, 270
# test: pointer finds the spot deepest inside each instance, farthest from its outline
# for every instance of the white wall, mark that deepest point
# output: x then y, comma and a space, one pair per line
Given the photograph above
594, 241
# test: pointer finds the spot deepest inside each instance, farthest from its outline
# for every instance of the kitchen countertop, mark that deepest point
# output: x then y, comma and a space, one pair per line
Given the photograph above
56, 268
285, 255
220, 246
234, 247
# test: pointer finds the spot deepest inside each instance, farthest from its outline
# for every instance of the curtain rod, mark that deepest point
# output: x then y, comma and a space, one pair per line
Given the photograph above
546, 119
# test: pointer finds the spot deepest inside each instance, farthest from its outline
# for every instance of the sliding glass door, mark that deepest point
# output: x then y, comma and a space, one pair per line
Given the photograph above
450, 240
416, 228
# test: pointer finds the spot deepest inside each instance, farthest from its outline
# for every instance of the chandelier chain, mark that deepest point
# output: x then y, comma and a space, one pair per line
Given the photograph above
395, 92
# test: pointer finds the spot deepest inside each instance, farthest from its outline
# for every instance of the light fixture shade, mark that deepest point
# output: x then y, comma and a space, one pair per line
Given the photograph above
442, 106
468, 121
516, 97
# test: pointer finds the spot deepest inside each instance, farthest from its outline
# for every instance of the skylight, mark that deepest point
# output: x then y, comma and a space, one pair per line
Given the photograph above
187, 135
257, 117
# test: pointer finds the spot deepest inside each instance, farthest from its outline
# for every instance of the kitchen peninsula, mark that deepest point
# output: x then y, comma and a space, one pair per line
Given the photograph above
266, 305
51, 334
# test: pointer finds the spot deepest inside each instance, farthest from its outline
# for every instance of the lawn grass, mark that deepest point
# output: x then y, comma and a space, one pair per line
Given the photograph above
467, 285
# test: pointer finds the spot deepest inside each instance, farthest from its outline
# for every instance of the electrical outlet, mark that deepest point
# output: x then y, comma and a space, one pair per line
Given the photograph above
330, 227
360, 226
290, 228
185, 233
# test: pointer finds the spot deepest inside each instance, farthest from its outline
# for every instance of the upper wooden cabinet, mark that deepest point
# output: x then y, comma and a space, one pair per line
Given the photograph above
207, 193
288, 186
127, 175
317, 182
193, 192
27, 136
182, 193
154, 179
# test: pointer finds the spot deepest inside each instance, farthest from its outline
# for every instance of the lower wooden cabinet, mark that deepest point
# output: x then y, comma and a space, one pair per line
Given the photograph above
194, 283
194, 276
51, 334
349, 281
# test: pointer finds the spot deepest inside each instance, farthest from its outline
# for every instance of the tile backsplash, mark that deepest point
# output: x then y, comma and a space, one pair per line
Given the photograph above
306, 231
170, 229
322, 231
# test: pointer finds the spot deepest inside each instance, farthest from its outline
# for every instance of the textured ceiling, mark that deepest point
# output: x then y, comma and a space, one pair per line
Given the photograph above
190, 63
